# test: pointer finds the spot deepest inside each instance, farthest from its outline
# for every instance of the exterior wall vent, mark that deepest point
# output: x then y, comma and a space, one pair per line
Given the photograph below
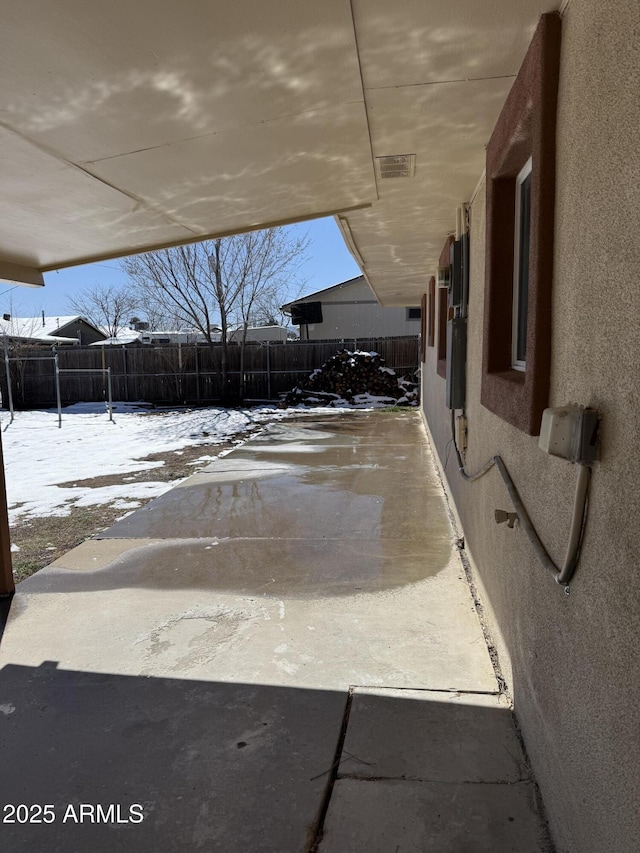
399, 166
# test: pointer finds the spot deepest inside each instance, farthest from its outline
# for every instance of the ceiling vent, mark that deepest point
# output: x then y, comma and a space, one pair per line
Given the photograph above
400, 166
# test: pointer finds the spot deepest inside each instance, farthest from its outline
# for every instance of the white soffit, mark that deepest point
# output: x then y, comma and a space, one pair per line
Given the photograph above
128, 126
435, 77
133, 125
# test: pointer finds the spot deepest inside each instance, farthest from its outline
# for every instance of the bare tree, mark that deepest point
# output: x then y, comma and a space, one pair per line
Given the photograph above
268, 263
157, 317
217, 281
106, 306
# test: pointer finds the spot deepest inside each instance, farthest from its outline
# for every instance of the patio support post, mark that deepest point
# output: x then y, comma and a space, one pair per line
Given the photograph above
7, 584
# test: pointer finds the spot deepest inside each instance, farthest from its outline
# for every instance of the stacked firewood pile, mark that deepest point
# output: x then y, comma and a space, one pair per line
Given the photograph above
355, 378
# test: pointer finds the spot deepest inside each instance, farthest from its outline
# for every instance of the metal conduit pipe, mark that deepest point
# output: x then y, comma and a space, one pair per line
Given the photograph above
564, 575
578, 521
525, 521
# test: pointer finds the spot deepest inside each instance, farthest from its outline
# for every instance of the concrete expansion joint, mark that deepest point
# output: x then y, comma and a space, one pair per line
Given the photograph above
477, 603
460, 545
449, 690
526, 780
333, 775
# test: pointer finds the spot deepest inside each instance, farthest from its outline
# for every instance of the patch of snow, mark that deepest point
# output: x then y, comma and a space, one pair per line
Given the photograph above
14, 548
121, 503
201, 459
373, 402
39, 456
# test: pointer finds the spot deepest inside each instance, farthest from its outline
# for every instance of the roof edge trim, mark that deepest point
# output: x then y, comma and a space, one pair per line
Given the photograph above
17, 274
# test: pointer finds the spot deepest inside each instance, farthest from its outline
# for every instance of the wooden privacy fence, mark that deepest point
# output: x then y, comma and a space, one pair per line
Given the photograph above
184, 373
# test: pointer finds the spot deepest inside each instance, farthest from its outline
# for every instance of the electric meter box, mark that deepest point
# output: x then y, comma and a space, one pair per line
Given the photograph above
456, 376
570, 432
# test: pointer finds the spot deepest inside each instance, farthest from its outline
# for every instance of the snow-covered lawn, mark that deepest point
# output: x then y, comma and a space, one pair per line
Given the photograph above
39, 456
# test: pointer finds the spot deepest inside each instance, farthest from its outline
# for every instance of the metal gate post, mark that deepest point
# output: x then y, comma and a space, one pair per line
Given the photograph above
126, 378
110, 394
8, 369
57, 370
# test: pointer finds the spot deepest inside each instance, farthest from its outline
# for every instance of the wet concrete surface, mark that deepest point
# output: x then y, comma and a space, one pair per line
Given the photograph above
348, 428
314, 561
287, 568
301, 491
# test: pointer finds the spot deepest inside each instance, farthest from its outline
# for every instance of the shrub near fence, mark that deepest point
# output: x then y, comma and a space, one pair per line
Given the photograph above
185, 373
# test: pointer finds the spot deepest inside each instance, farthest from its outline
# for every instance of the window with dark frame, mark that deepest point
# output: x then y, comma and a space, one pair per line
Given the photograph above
522, 234
516, 358
414, 313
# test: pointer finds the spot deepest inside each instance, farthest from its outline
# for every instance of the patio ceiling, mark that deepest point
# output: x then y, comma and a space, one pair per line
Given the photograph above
131, 126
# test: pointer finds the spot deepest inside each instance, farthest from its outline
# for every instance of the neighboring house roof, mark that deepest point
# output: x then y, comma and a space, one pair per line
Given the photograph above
359, 279
124, 336
131, 336
240, 326
43, 330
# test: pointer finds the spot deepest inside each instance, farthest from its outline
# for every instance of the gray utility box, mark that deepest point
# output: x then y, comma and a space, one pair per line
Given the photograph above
570, 432
456, 363
456, 283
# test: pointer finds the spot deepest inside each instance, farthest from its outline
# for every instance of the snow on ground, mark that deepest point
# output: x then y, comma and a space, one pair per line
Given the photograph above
39, 456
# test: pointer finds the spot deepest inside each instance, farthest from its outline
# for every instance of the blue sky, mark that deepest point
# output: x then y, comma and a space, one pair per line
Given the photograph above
329, 263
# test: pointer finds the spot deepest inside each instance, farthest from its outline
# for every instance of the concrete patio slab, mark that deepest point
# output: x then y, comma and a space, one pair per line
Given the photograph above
432, 770
211, 766
348, 427
87, 558
289, 568
433, 736
316, 559
303, 491
233, 611
415, 817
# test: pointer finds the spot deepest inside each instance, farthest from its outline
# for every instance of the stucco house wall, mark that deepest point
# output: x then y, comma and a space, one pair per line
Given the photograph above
351, 310
571, 662
261, 334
